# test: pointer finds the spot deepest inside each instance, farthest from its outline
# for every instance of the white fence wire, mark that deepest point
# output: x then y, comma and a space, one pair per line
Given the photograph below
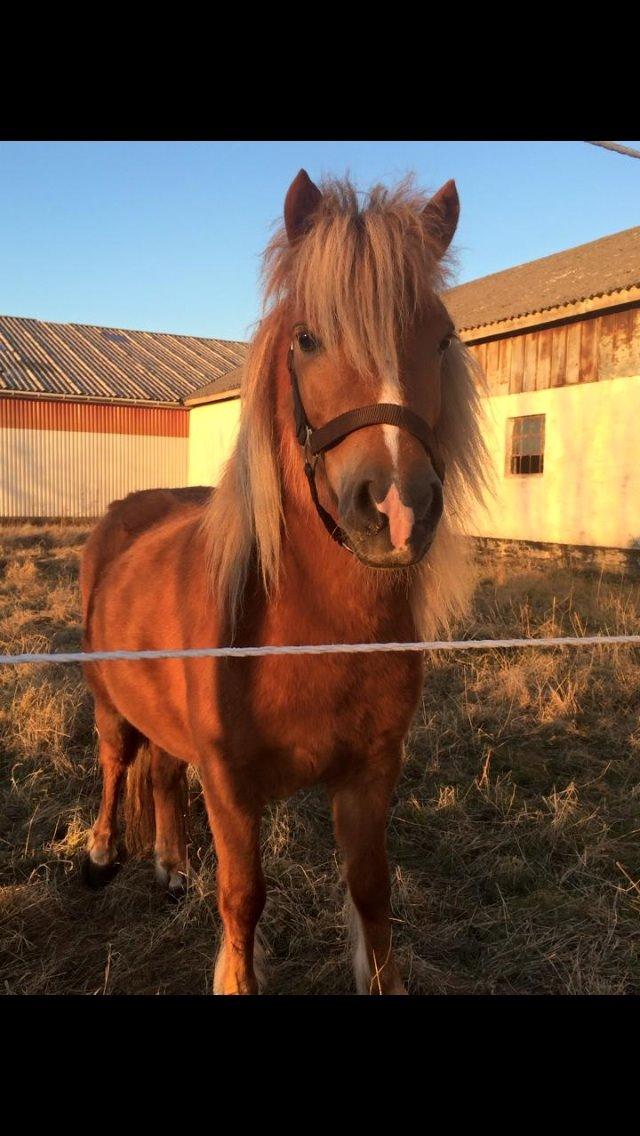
321, 649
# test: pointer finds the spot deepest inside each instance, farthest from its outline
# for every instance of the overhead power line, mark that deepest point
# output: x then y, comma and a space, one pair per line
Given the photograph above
617, 148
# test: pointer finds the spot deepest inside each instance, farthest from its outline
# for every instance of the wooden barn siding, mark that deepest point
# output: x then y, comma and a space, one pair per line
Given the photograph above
581, 351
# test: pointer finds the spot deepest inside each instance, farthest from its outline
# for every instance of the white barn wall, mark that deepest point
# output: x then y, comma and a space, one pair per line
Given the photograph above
63, 473
212, 435
589, 492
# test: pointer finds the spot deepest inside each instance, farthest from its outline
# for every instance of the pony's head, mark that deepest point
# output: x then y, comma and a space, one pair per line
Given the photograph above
368, 331
352, 305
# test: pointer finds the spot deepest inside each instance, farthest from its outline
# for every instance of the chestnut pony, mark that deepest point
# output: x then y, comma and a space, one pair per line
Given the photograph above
324, 529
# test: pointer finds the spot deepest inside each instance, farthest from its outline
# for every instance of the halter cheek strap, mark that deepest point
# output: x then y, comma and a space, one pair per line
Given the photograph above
316, 442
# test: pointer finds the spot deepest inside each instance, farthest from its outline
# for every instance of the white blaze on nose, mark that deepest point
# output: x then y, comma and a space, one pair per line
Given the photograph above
401, 517
390, 392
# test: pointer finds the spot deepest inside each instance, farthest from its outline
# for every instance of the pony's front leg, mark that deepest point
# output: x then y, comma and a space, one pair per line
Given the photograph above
235, 824
360, 808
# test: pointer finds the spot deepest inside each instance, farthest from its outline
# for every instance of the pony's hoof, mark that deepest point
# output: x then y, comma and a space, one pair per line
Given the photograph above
173, 879
177, 888
176, 893
96, 876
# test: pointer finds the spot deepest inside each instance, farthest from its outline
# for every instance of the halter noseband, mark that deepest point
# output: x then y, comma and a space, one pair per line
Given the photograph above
317, 442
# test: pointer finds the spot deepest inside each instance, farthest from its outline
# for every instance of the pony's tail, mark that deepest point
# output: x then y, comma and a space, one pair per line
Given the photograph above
139, 813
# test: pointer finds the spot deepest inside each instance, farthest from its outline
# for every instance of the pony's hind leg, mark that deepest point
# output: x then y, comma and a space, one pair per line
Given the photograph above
169, 782
118, 743
360, 817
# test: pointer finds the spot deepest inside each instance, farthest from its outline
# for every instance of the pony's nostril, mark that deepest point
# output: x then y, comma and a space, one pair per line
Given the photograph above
432, 504
363, 501
434, 511
365, 508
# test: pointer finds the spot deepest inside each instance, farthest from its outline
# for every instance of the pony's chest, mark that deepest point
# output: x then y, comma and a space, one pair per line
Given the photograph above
327, 703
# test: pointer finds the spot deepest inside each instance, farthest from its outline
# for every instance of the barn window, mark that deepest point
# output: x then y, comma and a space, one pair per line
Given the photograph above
526, 444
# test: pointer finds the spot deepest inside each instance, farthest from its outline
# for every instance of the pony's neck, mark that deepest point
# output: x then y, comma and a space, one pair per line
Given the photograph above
317, 575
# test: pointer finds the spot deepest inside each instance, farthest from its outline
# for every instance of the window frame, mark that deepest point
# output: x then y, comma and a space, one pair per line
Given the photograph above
510, 455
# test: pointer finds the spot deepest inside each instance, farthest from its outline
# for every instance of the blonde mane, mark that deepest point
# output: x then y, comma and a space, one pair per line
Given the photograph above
359, 275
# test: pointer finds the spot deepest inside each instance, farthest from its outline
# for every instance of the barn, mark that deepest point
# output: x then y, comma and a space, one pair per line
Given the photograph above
88, 414
559, 342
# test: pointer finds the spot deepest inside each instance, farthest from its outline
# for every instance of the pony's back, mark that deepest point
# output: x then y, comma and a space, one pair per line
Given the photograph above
122, 524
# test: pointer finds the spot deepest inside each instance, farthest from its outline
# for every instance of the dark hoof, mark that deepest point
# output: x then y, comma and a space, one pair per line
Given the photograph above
177, 892
96, 876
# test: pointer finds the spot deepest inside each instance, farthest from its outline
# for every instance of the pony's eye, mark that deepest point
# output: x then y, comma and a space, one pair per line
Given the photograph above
306, 342
445, 343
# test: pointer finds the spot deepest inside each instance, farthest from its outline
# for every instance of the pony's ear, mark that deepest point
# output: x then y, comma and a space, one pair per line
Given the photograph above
441, 215
302, 200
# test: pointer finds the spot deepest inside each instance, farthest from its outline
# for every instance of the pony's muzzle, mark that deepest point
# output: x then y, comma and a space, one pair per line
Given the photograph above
392, 526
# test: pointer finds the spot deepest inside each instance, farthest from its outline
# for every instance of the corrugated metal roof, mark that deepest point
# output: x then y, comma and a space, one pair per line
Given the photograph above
228, 384
598, 268
82, 361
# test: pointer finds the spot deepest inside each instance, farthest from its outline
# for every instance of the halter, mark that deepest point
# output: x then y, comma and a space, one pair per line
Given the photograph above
317, 442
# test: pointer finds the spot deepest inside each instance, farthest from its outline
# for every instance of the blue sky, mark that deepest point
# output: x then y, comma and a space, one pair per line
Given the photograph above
167, 236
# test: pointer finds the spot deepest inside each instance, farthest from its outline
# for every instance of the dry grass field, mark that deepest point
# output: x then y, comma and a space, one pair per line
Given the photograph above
515, 835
